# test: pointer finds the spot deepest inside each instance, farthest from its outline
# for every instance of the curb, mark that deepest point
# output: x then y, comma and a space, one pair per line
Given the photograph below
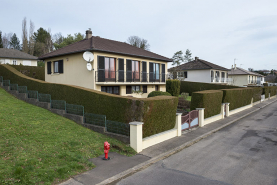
162, 156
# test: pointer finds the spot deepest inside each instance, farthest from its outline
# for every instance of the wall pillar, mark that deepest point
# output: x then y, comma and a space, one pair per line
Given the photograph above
222, 110
136, 136
201, 116
178, 124
268, 95
227, 109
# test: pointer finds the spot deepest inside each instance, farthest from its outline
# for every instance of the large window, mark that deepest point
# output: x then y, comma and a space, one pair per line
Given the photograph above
133, 70
110, 89
14, 62
110, 69
154, 72
132, 88
58, 66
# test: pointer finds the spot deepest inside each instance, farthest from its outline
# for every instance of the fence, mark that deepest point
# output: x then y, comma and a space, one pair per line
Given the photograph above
58, 104
44, 97
118, 127
22, 89
75, 109
13, 87
6, 82
33, 94
95, 119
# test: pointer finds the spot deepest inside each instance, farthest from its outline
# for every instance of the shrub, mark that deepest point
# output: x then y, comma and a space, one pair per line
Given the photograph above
31, 71
157, 113
257, 92
173, 87
265, 84
237, 97
191, 87
266, 91
158, 93
210, 100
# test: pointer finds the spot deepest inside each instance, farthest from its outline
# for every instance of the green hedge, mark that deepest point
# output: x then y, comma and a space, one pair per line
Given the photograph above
173, 87
158, 112
273, 90
210, 100
257, 92
31, 71
237, 97
266, 91
158, 93
191, 87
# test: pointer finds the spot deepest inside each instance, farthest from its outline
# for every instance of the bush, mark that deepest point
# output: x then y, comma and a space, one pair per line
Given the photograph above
266, 91
257, 92
158, 93
265, 84
237, 97
173, 87
191, 87
31, 71
272, 90
210, 100
157, 113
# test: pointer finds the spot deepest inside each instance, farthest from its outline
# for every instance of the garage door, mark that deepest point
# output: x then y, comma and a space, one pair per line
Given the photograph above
26, 62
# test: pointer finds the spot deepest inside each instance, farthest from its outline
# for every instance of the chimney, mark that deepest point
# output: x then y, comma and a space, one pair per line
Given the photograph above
196, 58
235, 66
88, 34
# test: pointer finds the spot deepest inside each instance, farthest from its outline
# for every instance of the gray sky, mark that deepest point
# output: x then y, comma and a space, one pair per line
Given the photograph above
214, 30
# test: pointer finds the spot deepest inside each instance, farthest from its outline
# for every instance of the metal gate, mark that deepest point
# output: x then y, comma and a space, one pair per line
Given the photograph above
190, 120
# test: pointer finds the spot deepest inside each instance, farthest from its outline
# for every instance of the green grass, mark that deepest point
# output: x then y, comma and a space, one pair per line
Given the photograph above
188, 97
39, 147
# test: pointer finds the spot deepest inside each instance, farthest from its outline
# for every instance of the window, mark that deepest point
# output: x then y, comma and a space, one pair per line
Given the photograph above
49, 68
131, 88
110, 69
110, 89
135, 88
185, 74
156, 88
154, 72
58, 66
144, 88
14, 62
133, 70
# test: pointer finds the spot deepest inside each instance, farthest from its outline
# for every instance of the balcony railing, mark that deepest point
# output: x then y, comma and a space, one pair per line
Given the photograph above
128, 76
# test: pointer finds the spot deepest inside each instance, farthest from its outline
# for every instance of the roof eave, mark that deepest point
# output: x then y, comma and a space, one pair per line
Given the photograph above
19, 58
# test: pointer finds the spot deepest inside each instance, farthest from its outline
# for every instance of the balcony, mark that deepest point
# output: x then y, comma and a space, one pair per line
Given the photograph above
128, 77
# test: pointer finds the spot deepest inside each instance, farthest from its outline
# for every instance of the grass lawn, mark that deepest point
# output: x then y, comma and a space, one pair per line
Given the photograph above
188, 98
39, 147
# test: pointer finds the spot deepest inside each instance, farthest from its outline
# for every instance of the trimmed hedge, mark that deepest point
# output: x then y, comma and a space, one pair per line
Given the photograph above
266, 91
158, 93
237, 97
273, 90
257, 92
31, 71
210, 100
191, 87
173, 87
158, 112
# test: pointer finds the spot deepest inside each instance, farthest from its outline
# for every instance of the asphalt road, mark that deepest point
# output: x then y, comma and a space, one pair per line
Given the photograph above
242, 153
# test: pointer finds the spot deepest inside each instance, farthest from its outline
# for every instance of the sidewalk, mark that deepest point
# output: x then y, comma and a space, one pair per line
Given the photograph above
121, 166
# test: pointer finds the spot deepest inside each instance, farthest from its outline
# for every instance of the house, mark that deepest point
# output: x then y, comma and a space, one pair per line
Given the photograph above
200, 70
242, 77
115, 67
16, 57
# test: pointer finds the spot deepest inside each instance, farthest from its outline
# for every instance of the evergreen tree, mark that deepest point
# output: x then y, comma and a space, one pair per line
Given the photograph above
177, 58
1, 42
187, 56
15, 43
42, 39
61, 42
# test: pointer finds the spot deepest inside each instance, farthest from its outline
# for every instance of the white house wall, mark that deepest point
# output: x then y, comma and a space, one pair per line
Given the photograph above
199, 76
240, 80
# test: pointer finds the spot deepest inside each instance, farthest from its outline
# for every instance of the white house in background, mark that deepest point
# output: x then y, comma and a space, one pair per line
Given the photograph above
200, 70
16, 57
242, 77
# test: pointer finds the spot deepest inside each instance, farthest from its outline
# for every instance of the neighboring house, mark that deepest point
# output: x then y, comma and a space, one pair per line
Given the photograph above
242, 77
200, 70
117, 67
16, 57
265, 71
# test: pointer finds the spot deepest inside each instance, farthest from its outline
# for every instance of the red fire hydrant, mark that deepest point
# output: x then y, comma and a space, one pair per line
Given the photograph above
106, 150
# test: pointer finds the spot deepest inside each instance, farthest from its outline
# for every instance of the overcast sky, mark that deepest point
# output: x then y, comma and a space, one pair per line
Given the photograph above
214, 30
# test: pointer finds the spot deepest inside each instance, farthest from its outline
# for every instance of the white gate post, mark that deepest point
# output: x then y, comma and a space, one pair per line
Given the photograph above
227, 109
222, 110
178, 124
201, 116
136, 136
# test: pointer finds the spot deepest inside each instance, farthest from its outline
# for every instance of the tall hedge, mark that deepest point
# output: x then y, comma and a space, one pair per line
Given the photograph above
273, 90
257, 92
173, 87
31, 71
210, 100
237, 97
190, 87
158, 93
158, 112
266, 91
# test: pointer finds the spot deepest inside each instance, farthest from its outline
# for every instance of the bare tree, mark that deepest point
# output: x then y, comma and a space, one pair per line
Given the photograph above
6, 39
138, 42
25, 47
31, 38
48, 42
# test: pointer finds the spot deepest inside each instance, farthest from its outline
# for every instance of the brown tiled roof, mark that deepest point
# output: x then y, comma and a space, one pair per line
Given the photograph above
16, 54
197, 64
105, 45
240, 71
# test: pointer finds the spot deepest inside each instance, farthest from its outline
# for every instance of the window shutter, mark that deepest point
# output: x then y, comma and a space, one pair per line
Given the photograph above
144, 72
151, 72
129, 65
144, 69
101, 69
163, 72
61, 66
129, 71
121, 70
49, 71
